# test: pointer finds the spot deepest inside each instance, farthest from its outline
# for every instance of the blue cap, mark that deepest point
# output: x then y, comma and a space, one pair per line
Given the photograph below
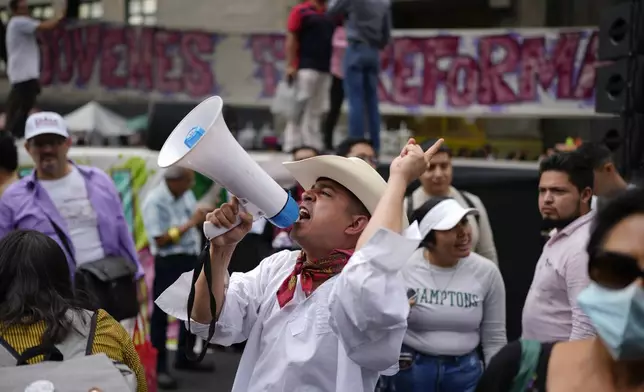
288, 215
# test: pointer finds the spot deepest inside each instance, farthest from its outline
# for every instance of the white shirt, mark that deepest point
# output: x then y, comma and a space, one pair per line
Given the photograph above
337, 340
455, 308
69, 195
22, 49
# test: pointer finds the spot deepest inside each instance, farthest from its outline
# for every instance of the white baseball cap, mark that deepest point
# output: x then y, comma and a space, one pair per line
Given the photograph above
42, 123
444, 216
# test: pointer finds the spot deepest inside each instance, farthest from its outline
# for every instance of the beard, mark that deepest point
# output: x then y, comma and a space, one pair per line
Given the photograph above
559, 223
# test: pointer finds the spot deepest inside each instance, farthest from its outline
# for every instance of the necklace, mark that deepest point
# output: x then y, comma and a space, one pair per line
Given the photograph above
431, 274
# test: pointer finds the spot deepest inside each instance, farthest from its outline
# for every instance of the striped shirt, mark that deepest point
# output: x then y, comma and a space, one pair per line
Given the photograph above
110, 338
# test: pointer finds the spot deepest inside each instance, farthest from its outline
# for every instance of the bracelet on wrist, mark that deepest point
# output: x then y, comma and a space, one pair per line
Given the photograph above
175, 234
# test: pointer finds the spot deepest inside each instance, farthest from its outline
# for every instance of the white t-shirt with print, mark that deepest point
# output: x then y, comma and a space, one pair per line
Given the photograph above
455, 309
69, 195
22, 49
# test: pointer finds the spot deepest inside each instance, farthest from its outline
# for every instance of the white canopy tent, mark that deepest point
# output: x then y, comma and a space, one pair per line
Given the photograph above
93, 118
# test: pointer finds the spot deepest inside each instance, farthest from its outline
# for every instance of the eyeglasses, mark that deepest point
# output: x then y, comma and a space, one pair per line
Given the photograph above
47, 140
614, 270
369, 159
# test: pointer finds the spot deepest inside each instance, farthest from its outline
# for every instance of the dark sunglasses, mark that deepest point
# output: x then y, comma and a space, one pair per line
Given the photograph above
614, 270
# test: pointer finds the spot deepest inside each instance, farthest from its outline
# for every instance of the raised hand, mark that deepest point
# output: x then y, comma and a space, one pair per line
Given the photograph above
413, 161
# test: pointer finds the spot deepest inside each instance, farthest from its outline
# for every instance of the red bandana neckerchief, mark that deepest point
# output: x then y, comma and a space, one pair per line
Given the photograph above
312, 271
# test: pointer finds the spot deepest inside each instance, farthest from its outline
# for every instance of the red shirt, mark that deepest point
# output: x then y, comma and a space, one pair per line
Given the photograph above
314, 30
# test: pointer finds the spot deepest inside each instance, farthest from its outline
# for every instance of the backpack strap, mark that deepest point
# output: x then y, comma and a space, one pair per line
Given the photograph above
81, 334
530, 351
470, 204
63, 239
50, 352
10, 357
410, 206
92, 334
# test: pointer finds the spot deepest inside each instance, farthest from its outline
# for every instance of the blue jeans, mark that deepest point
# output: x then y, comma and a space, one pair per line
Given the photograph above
436, 374
361, 69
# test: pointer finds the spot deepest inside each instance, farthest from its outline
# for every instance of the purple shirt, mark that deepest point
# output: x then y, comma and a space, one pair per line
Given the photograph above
551, 312
26, 205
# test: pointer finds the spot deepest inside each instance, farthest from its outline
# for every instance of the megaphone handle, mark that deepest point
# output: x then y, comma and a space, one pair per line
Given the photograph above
211, 231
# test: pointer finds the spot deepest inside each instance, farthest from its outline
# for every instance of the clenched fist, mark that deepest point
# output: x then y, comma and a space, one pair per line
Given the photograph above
226, 216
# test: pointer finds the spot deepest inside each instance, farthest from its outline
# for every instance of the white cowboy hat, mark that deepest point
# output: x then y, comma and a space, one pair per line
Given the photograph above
352, 173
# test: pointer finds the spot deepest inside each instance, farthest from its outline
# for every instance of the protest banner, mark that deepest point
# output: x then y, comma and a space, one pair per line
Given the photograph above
510, 72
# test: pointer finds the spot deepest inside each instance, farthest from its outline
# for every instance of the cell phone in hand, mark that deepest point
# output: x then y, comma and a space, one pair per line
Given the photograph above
411, 296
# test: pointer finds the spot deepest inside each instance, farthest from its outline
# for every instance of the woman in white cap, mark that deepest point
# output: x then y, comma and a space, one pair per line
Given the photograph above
457, 301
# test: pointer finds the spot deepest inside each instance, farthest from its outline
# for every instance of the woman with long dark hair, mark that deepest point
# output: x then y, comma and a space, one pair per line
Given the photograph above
38, 306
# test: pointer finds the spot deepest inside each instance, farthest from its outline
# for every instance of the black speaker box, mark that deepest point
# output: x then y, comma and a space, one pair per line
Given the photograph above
621, 31
612, 86
73, 9
608, 131
620, 136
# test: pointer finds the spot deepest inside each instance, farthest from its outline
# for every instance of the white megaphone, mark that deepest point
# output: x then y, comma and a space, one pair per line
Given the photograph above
202, 142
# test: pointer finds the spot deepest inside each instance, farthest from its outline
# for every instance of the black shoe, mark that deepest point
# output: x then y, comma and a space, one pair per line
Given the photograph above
204, 366
166, 381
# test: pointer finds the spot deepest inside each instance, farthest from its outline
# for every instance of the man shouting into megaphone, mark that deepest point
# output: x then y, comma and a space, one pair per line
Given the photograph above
330, 317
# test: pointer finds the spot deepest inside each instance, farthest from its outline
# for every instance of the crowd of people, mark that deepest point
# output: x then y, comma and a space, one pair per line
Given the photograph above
444, 316
373, 288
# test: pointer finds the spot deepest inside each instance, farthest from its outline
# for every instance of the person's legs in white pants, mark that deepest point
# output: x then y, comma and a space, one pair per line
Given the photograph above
312, 87
317, 105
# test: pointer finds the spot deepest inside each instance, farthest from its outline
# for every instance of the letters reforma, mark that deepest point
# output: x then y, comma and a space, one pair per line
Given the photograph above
522, 71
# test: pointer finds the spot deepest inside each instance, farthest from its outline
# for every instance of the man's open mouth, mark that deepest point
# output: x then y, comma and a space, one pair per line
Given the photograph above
303, 215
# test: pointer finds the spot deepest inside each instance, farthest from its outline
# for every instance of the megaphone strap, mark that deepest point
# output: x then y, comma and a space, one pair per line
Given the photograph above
203, 263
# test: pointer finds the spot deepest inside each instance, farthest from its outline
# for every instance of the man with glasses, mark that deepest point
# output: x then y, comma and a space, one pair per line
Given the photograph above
77, 206
62, 199
358, 148
172, 222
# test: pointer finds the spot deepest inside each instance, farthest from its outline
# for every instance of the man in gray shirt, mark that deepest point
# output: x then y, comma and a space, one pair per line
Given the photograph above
368, 27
